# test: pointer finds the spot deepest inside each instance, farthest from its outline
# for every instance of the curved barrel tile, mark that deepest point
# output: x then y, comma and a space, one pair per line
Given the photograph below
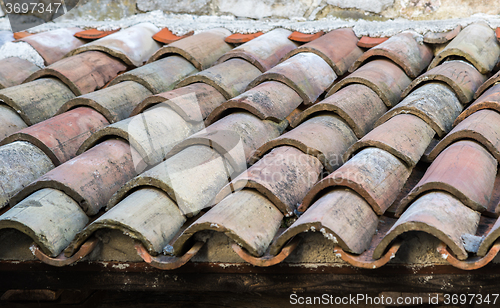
490, 242
14, 70
435, 103
147, 215
248, 218
193, 102
90, 178
20, 164
191, 178
459, 75
11, 121
264, 51
284, 176
325, 137
230, 78
152, 134
342, 216
133, 45
358, 105
493, 80
490, 99
307, 73
382, 76
465, 170
482, 126
441, 37
160, 76
50, 217
270, 100
404, 136
338, 48
235, 137
114, 103
405, 49
375, 174
55, 44
201, 49
436, 213
60, 137
38, 100
476, 43
83, 73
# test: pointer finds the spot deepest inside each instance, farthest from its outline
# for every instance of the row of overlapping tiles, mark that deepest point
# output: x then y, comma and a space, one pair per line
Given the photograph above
345, 206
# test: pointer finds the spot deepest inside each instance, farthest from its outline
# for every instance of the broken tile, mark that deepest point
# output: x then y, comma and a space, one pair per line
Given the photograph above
239, 38
166, 36
300, 37
382, 76
94, 34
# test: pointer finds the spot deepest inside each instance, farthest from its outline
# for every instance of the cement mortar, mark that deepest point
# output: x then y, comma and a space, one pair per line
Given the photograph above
21, 50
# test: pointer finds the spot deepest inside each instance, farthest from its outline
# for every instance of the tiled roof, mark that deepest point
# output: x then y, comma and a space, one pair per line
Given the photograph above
263, 139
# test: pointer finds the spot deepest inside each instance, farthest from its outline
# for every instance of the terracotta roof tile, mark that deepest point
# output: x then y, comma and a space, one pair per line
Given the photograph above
83, 73
382, 76
338, 48
441, 37
295, 73
13, 71
11, 121
166, 36
213, 44
477, 44
369, 42
459, 75
403, 49
305, 37
94, 34
239, 38
490, 99
492, 81
265, 51
133, 45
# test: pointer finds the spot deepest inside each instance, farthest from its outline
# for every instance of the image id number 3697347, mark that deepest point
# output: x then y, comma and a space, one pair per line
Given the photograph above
479, 299
24, 8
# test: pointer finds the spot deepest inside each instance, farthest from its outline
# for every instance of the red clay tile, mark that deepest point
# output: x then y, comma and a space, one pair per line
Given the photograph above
21, 34
114, 103
213, 44
435, 213
404, 50
435, 103
465, 170
476, 43
11, 121
306, 73
382, 76
153, 133
43, 216
375, 174
497, 32
60, 137
338, 48
493, 80
38, 100
168, 262
61, 259
441, 37
358, 105
265, 51
148, 213
482, 126
21, 164
44, 43
160, 76
83, 73
193, 102
229, 78
369, 42
404, 136
267, 259
166, 36
300, 37
342, 216
240, 38
325, 137
470, 263
133, 45
461, 76
283, 176
14, 70
245, 216
94, 34
90, 178
270, 100
488, 100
